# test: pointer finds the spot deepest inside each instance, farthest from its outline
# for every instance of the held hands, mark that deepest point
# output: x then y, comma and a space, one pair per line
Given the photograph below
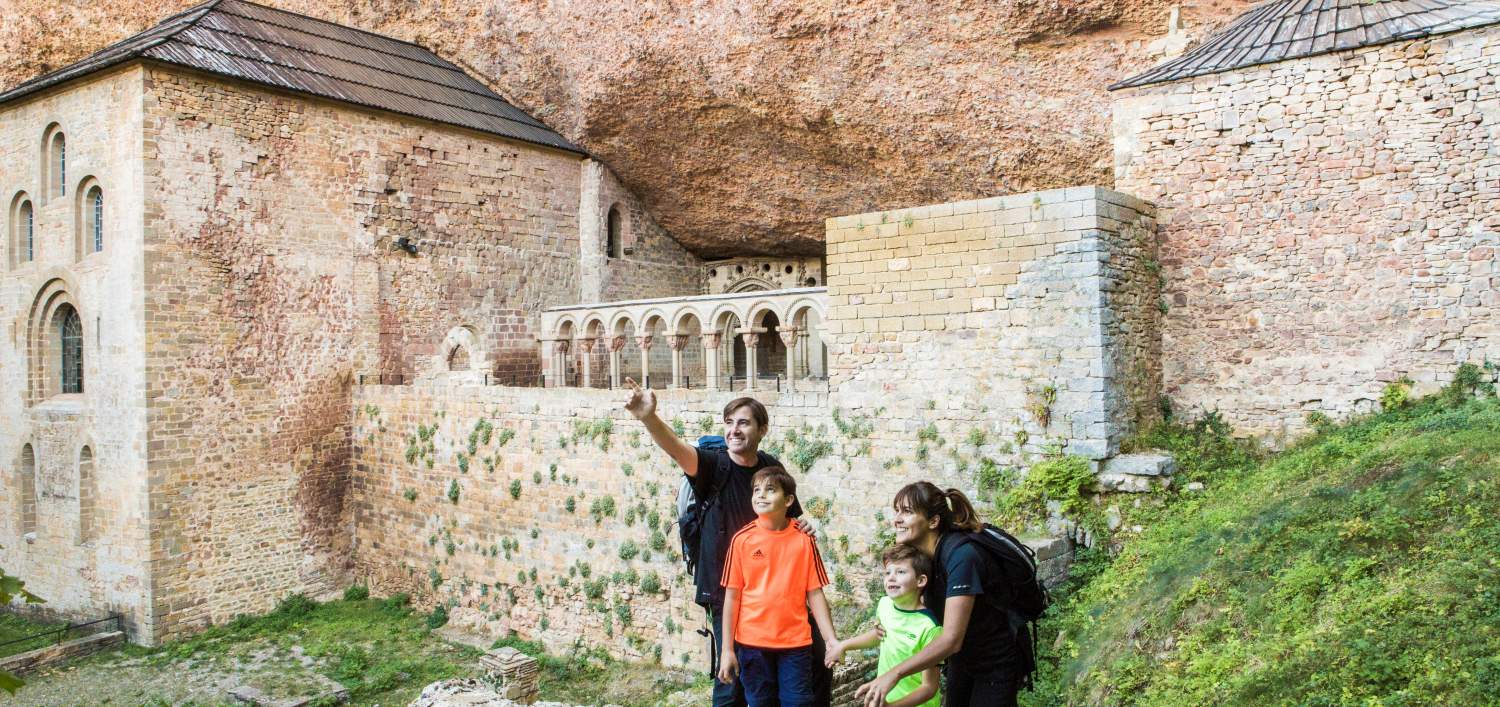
729, 668
835, 654
872, 693
642, 402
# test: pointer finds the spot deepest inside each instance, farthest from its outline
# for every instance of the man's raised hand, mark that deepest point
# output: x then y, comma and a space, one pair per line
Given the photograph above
642, 402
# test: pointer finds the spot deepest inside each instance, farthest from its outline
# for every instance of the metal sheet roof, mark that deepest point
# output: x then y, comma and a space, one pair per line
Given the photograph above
1289, 29
286, 50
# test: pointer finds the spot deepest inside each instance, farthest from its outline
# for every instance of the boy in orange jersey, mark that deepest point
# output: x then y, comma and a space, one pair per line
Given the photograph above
772, 576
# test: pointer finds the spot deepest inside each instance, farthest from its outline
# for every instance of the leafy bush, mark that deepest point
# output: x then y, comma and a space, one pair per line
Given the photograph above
1067, 480
356, 592
1396, 394
628, 550
438, 618
515, 489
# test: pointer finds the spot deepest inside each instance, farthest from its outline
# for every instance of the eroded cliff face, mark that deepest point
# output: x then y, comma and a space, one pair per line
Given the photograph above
744, 125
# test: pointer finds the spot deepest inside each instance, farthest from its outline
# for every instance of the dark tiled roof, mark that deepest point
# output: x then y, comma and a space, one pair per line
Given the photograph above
1289, 29
299, 53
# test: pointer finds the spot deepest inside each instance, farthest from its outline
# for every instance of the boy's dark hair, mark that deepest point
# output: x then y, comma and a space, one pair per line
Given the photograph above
778, 476
757, 410
921, 562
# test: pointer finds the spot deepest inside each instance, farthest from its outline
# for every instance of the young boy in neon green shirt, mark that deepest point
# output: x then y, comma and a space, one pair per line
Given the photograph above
908, 627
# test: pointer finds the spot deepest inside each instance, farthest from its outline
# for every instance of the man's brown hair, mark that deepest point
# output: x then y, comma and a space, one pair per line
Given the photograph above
921, 562
778, 476
757, 410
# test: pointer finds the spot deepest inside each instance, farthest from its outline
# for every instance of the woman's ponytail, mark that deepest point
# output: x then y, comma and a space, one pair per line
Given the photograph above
951, 507
964, 516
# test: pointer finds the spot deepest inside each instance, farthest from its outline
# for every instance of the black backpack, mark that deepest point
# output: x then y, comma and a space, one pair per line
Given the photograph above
692, 510
1024, 598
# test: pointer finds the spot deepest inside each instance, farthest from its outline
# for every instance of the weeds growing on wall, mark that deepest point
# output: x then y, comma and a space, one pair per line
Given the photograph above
1067, 481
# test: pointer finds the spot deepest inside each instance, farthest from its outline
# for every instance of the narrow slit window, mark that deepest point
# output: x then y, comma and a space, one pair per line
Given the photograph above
96, 217
28, 233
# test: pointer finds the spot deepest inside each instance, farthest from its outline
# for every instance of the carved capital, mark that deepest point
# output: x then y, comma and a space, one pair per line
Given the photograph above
643, 341
788, 335
587, 345
677, 341
616, 343
712, 341
751, 339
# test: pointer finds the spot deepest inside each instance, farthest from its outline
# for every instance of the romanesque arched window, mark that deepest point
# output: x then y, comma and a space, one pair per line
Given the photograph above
93, 219
25, 233
70, 348
88, 218
57, 159
614, 245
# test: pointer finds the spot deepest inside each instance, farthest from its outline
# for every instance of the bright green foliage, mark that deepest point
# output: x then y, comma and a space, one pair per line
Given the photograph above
651, 583
505, 436
628, 550
1358, 567
658, 541
819, 507
807, 446
570, 505
677, 426
855, 427
409, 494
515, 489
1396, 394
1067, 480
453, 490
601, 508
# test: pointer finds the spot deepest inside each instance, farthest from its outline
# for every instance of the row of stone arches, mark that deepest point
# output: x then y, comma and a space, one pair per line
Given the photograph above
86, 494
711, 342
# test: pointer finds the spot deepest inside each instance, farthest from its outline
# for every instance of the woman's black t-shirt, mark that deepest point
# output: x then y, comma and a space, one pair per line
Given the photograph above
726, 516
961, 569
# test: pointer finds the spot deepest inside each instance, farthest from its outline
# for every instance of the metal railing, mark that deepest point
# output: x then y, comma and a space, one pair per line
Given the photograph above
61, 634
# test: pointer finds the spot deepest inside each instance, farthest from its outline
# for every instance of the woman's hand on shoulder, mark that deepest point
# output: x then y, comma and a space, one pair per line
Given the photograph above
808, 526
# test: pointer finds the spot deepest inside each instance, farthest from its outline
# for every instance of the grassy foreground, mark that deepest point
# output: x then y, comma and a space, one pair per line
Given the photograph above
1361, 566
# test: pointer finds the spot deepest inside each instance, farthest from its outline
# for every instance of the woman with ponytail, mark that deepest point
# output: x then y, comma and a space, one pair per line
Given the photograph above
982, 651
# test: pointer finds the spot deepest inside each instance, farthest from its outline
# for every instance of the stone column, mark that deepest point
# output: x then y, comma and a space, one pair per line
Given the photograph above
586, 349
615, 344
549, 375
645, 343
751, 337
711, 342
788, 336
560, 361
677, 341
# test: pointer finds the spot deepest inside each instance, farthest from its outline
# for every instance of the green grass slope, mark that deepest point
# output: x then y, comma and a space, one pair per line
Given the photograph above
1361, 566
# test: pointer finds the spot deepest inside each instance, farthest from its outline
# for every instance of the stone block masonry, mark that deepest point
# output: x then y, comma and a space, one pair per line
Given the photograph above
1328, 225
1036, 310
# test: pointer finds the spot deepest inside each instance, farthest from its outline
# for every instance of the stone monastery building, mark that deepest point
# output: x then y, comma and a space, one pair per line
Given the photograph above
290, 305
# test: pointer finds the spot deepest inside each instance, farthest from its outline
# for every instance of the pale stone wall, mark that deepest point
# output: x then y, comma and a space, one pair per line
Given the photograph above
1034, 311
1328, 225
106, 568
